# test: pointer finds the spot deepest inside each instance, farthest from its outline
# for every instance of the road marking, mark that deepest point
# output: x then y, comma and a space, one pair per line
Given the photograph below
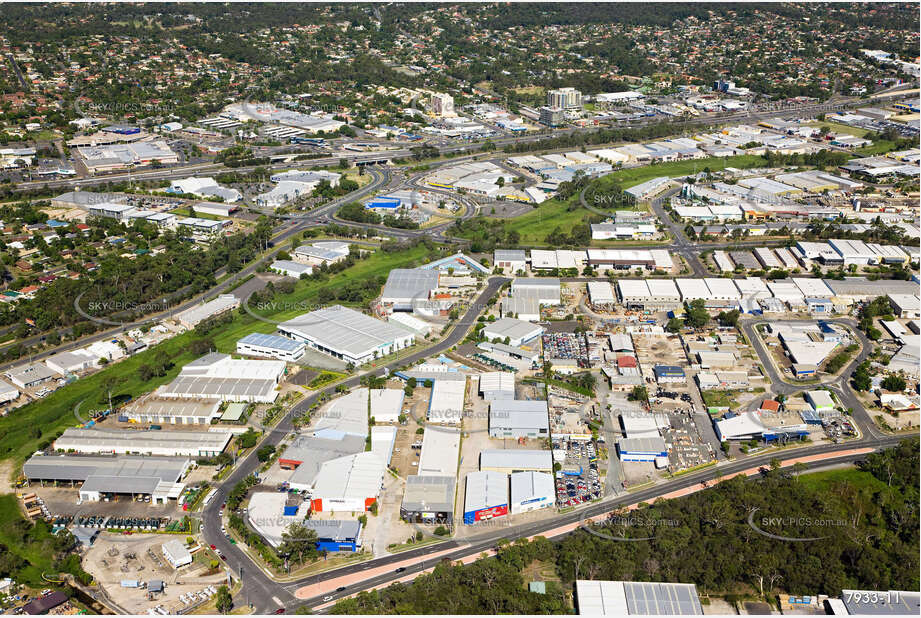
277, 601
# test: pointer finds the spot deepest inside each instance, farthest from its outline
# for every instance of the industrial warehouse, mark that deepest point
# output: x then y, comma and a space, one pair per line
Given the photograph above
141, 442
158, 478
347, 334
218, 376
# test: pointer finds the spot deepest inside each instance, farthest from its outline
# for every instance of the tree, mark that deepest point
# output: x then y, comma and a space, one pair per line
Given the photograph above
265, 452
299, 540
674, 325
639, 393
894, 383
728, 318
223, 602
696, 315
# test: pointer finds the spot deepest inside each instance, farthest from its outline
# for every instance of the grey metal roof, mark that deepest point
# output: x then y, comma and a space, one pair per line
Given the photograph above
898, 603
336, 530
79, 468
345, 330
509, 255
518, 414
201, 386
429, 493
864, 286
83, 440
276, 342
662, 599
410, 284
314, 452
531, 484
512, 328
516, 459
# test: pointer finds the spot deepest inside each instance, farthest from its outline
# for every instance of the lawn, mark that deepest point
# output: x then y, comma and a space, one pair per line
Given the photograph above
828, 481
31, 548
879, 147
837, 127
537, 224
35, 424
635, 175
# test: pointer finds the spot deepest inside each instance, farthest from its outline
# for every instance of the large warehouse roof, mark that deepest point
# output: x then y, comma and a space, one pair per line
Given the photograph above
344, 330
348, 414
188, 443
485, 489
447, 402
440, 451
530, 485
352, 478
121, 474
309, 453
518, 414
429, 493
512, 328
617, 598
516, 459
408, 284
275, 342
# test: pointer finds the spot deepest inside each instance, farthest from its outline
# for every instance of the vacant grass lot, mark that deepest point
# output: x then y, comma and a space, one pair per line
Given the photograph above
25, 429
537, 224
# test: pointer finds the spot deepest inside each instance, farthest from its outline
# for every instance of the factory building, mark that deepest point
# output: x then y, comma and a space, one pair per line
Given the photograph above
511, 418
154, 410
447, 402
531, 491
486, 496
271, 346
408, 287
132, 442
350, 483
347, 334
218, 376
518, 332
619, 598
428, 500
497, 385
104, 477
211, 309
516, 460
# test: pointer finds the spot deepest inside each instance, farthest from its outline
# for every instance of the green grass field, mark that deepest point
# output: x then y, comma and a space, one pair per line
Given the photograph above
29, 548
828, 480
837, 127
537, 224
23, 430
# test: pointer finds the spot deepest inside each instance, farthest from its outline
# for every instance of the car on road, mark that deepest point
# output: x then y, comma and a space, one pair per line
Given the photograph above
223, 557
401, 569
340, 588
280, 610
328, 597
213, 546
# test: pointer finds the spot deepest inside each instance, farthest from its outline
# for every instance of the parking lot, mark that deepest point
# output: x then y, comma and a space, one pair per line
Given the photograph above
579, 480
567, 346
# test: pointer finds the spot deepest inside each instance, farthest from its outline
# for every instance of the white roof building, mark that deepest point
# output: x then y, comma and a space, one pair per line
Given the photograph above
386, 404
350, 483
440, 451
447, 402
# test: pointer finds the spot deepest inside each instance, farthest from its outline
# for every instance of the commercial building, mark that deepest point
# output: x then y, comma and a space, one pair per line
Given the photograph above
218, 376
420, 327
271, 346
154, 410
347, 414
307, 453
442, 105
820, 400
648, 449
350, 483
428, 499
516, 460
525, 418
347, 334
290, 268
205, 187
72, 362
106, 477
510, 260
669, 374
518, 332
8, 393
486, 496
211, 309
408, 287
619, 598
386, 404
601, 295
447, 402
327, 252
545, 289
531, 491
30, 376
497, 385
551, 116
649, 294
133, 442
176, 553
440, 451
121, 156
905, 306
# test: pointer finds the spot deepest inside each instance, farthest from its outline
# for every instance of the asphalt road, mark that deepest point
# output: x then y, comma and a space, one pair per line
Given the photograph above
258, 588
488, 541
282, 234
